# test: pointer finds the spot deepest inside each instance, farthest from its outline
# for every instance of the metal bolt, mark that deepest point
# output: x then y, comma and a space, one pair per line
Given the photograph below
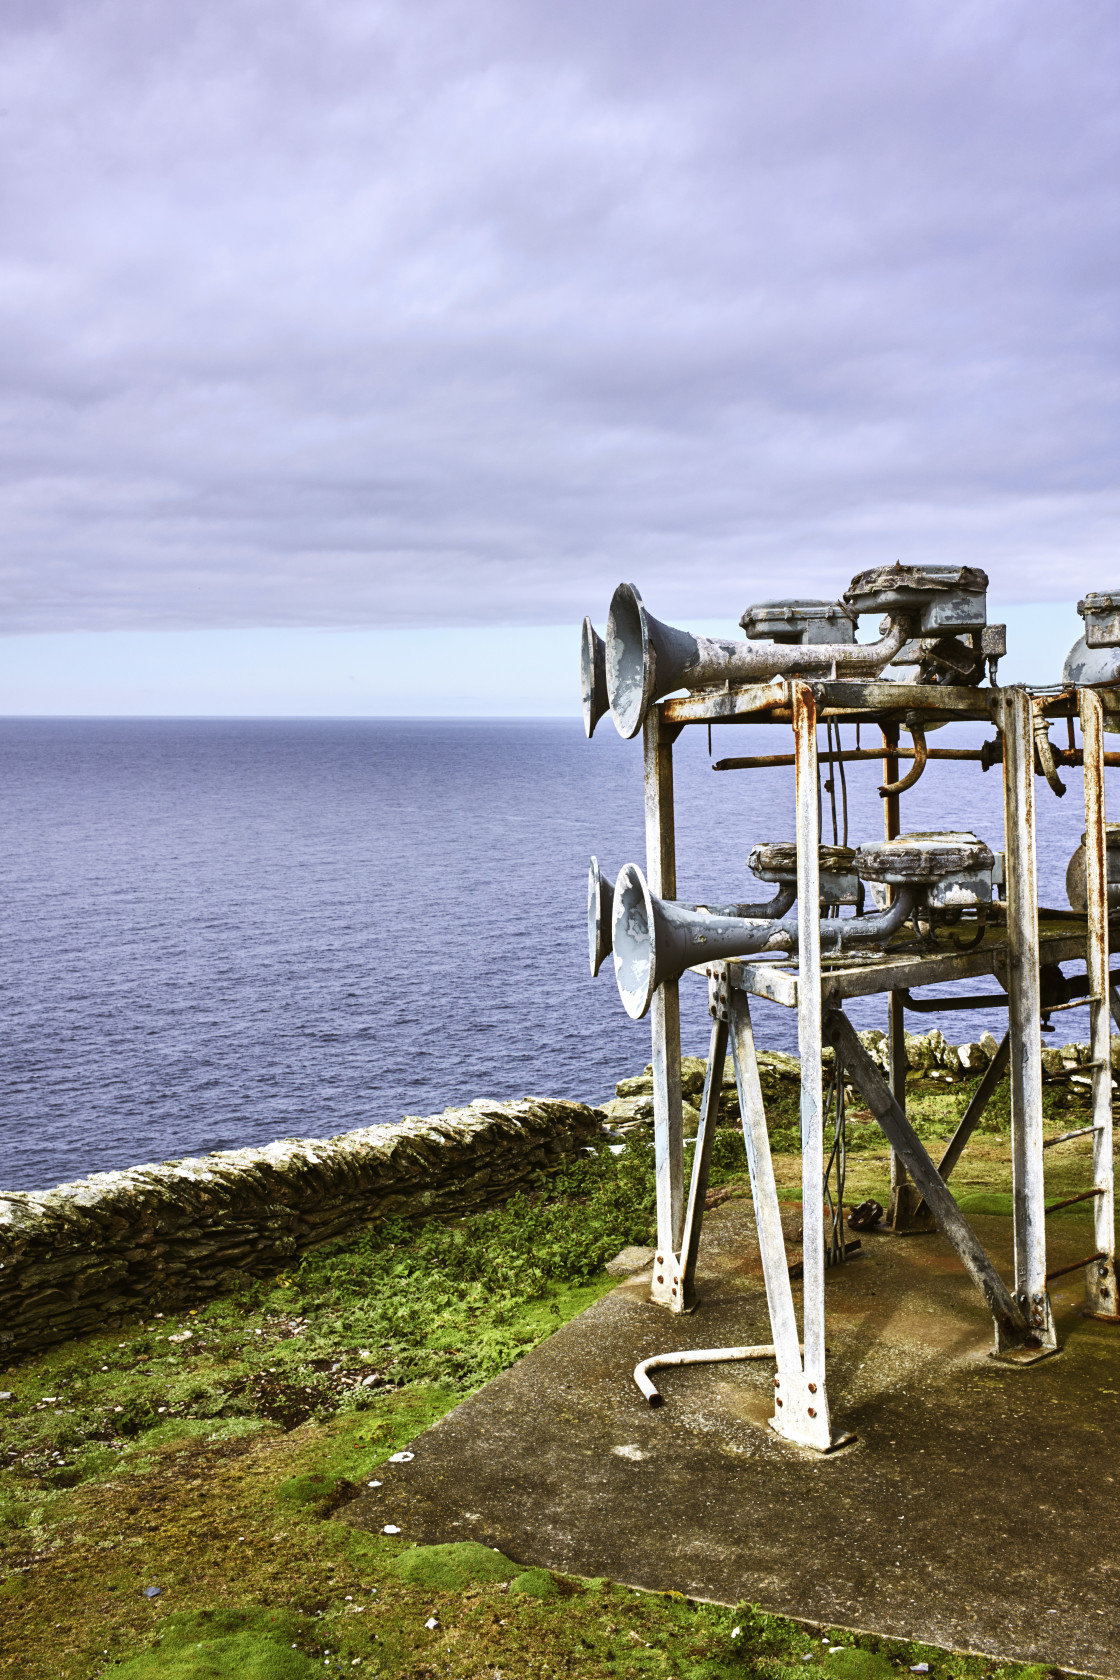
812, 1388
777, 1399
660, 1259
674, 1289
777, 1382
660, 1279
812, 1413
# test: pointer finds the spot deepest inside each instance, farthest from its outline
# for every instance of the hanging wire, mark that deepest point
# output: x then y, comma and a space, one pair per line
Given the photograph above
830, 783
844, 780
835, 1251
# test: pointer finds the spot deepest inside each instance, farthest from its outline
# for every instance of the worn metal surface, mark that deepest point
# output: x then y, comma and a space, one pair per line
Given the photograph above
926, 857
872, 699
800, 1394
943, 598
665, 1017
798, 623
1024, 1013
646, 659
1102, 1298
809, 1021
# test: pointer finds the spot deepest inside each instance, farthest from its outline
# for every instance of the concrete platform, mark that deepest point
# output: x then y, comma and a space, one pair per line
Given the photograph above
979, 1507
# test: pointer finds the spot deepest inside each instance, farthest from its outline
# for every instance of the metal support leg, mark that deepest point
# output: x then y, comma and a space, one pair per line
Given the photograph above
1025, 1022
1101, 1299
702, 1154
800, 1397
665, 1019
809, 1026
906, 1213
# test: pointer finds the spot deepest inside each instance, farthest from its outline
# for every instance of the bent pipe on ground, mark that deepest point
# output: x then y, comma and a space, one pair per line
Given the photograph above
693, 1356
645, 659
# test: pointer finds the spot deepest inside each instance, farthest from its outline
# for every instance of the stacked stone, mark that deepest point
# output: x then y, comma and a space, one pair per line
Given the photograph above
928, 1054
77, 1258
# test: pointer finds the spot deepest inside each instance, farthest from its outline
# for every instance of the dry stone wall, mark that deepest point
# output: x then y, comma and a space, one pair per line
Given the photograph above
929, 1054
80, 1257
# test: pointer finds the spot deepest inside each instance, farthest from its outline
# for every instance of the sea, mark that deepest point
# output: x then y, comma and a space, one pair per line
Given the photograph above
218, 933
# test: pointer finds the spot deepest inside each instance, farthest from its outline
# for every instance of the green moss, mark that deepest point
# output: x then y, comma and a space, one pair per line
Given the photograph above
308, 1490
853, 1664
450, 1568
224, 1645
214, 1477
535, 1583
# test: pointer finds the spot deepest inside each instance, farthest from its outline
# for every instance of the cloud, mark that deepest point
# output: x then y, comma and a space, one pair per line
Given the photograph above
388, 314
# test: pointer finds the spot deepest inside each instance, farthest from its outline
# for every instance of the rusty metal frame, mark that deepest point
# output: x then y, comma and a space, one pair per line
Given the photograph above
1101, 1299
1022, 979
1023, 1316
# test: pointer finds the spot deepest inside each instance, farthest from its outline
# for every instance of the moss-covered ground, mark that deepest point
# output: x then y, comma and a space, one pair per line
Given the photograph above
167, 1489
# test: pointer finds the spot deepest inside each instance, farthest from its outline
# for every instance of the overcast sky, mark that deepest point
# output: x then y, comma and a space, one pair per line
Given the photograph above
456, 312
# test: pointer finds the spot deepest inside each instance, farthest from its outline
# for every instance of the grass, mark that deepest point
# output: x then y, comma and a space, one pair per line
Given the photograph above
167, 1489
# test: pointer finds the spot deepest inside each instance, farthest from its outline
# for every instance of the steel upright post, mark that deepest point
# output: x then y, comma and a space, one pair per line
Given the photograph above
1101, 1300
809, 1025
899, 1210
665, 1017
1025, 1016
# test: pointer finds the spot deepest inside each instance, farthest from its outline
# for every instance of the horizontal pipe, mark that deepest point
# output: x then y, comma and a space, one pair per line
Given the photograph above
930, 1006
971, 755
1064, 1137
1075, 1266
1083, 1196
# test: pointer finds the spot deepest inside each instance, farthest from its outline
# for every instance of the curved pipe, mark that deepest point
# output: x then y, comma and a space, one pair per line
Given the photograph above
693, 1356
774, 907
1044, 747
857, 930
914, 773
645, 659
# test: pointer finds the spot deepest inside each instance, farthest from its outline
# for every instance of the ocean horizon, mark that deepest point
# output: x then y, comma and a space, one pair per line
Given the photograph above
224, 931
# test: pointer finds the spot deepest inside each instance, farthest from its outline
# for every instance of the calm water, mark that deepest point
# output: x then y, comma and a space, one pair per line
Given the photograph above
219, 933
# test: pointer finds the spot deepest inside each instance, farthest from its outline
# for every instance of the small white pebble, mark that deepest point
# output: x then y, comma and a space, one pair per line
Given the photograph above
735, 1632
401, 1458
832, 1649
373, 1484
390, 1528
808, 1657
431, 1623
920, 1668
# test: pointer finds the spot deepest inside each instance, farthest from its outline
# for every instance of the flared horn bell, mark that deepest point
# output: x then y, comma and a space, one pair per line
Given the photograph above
600, 904
645, 659
593, 676
655, 941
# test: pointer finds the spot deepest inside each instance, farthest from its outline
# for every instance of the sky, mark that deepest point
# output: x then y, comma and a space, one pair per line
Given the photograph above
352, 352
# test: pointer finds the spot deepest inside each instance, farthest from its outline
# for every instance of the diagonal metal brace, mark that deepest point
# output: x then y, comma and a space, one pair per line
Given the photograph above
1011, 1325
970, 1119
